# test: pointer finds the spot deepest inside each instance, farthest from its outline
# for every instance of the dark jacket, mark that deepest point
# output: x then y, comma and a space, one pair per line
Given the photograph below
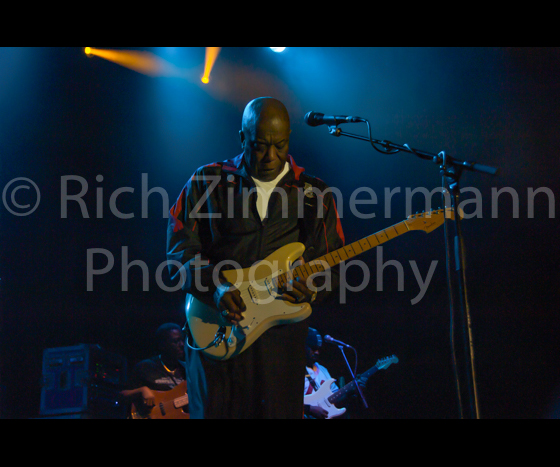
215, 219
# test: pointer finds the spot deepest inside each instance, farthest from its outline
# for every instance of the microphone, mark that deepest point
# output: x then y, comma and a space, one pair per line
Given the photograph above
316, 119
334, 341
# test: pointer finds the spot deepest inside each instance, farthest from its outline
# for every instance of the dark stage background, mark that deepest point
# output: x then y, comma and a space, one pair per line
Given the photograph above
65, 114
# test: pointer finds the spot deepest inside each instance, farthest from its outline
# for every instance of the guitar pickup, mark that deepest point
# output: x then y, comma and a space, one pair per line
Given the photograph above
263, 293
270, 287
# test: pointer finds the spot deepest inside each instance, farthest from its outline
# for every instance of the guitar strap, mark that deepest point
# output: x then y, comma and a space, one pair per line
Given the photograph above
312, 382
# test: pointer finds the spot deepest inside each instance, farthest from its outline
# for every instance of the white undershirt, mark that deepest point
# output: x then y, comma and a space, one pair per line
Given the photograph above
264, 190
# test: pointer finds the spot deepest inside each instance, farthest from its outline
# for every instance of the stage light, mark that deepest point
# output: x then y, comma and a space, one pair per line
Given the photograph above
211, 56
143, 62
277, 49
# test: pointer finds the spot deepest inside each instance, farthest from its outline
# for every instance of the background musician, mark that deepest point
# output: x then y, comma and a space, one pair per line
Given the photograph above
161, 372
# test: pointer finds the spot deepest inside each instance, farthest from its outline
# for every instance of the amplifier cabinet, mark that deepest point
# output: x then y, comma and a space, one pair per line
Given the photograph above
83, 379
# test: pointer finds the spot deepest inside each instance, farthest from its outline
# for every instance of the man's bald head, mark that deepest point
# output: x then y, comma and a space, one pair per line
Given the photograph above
263, 108
265, 136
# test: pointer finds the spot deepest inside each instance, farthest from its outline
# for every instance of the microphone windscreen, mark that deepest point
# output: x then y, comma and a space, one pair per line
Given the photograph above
310, 118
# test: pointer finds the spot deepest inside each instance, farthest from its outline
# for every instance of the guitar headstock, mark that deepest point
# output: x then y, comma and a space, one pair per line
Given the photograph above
386, 362
429, 221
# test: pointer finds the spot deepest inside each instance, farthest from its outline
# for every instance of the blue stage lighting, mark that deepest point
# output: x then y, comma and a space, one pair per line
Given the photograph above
278, 49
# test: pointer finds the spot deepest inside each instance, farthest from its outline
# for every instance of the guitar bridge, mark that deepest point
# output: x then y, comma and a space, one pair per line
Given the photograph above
253, 294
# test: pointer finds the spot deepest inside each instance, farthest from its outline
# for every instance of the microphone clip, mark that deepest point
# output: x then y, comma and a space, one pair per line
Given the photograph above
334, 130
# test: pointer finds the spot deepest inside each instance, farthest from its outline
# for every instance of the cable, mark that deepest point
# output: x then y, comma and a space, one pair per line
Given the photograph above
386, 149
218, 339
451, 297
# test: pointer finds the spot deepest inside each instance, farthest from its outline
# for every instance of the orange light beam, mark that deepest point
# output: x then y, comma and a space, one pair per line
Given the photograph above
142, 62
211, 56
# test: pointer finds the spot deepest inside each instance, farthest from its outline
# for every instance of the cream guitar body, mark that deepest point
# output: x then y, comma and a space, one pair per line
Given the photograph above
259, 290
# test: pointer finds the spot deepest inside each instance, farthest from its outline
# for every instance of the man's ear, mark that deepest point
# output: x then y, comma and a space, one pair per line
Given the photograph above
242, 138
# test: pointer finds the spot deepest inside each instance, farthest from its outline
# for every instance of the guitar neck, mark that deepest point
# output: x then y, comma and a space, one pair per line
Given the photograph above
350, 387
345, 253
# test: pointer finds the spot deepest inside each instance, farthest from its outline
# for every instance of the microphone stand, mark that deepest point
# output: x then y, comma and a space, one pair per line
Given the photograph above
353, 375
450, 169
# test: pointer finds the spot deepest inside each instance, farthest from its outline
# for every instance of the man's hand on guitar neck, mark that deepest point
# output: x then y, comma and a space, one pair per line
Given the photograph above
296, 291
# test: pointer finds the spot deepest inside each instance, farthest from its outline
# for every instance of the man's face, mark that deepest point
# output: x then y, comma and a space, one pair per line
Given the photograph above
174, 346
265, 145
312, 355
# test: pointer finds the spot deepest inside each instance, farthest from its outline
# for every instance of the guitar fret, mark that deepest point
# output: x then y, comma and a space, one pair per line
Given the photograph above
402, 228
320, 265
342, 250
310, 268
370, 239
279, 281
355, 244
302, 271
389, 234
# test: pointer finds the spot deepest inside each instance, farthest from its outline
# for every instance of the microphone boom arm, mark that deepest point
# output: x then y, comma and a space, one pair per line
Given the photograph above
392, 148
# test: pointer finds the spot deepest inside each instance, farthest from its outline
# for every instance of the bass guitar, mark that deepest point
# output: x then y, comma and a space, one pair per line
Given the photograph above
327, 399
259, 286
170, 405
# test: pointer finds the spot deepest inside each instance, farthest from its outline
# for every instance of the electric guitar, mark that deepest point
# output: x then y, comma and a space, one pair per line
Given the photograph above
326, 399
260, 283
170, 405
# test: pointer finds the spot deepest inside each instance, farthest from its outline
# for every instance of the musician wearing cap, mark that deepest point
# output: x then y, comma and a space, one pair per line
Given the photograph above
241, 211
